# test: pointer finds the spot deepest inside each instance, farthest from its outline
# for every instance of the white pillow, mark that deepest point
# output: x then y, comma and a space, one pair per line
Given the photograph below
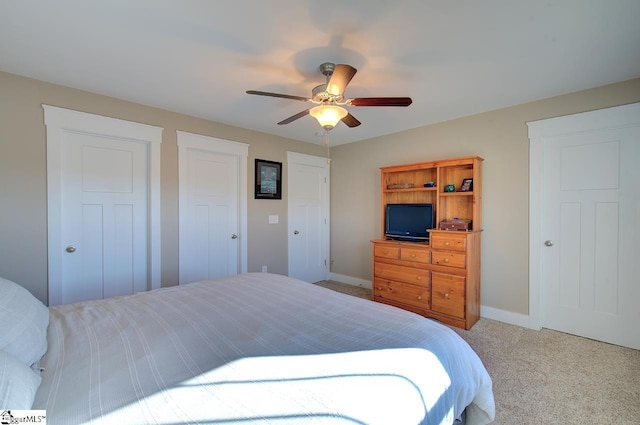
23, 323
18, 383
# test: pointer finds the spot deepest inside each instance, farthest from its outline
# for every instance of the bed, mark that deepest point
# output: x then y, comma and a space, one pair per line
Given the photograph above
252, 348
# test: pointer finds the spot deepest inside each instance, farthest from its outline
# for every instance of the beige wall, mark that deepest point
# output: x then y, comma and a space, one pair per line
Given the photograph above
23, 217
500, 137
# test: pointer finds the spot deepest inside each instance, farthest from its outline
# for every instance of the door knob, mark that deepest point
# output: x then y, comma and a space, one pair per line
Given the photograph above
234, 236
71, 248
548, 242
295, 232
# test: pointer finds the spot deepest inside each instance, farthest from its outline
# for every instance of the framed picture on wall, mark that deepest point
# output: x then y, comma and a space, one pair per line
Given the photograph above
268, 179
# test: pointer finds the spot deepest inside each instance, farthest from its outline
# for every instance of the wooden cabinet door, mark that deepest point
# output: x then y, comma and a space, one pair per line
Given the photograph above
417, 296
401, 273
385, 251
417, 255
448, 294
449, 241
450, 259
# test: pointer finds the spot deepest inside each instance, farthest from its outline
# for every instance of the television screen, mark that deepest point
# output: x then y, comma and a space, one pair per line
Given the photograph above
409, 221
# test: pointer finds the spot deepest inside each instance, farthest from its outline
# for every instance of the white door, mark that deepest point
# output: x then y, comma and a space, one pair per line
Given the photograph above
104, 217
590, 230
308, 216
99, 209
211, 212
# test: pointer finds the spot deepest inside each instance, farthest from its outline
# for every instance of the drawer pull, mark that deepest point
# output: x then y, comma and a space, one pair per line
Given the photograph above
446, 243
446, 260
419, 297
385, 251
419, 277
446, 296
413, 255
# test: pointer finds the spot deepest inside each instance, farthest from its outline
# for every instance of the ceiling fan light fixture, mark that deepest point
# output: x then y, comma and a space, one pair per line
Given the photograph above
328, 115
329, 97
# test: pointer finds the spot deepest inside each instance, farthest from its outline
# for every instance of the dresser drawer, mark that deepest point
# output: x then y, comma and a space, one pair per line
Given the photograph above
417, 296
401, 273
451, 259
414, 254
447, 294
449, 241
385, 251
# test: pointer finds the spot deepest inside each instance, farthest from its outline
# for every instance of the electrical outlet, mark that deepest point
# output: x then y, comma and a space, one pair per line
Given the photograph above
264, 269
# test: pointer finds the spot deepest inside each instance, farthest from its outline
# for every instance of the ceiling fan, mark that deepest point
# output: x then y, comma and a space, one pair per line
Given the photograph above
329, 98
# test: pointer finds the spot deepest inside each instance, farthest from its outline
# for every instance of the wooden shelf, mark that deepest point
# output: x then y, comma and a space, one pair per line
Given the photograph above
456, 194
463, 205
412, 189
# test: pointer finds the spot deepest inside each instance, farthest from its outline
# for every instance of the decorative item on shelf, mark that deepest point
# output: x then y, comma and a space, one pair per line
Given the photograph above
467, 185
455, 224
430, 184
400, 186
450, 188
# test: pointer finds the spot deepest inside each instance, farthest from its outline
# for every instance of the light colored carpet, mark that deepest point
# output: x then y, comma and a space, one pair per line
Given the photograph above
357, 291
548, 377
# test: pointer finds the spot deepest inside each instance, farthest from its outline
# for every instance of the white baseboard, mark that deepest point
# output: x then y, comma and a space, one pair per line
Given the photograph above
492, 313
363, 283
505, 316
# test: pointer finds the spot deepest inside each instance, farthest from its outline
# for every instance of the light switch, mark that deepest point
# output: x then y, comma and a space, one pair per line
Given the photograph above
273, 219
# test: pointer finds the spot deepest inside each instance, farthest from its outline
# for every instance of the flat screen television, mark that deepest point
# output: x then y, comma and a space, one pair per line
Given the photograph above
409, 222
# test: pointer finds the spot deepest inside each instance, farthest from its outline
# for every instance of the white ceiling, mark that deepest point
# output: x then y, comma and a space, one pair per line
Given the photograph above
198, 57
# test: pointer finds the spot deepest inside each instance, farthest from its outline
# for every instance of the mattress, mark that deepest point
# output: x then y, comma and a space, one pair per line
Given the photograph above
256, 348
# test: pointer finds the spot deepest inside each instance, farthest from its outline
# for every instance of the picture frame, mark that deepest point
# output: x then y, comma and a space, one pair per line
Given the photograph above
268, 179
467, 185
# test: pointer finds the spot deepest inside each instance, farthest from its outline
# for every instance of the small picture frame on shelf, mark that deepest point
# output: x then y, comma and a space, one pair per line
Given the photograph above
467, 185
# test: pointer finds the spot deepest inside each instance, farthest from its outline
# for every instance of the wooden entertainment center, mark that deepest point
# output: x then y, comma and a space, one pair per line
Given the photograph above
439, 279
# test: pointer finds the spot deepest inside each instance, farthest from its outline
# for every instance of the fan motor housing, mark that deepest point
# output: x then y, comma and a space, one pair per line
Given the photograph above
320, 95
327, 69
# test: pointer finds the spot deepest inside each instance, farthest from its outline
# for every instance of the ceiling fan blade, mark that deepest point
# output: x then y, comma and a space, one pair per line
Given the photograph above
283, 96
341, 76
380, 101
294, 117
351, 121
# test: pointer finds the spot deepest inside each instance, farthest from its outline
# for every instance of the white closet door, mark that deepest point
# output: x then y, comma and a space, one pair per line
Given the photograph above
104, 217
212, 174
590, 226
103, 209
308, 221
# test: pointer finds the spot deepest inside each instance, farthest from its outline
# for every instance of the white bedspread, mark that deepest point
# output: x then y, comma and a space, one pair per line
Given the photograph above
256, 348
